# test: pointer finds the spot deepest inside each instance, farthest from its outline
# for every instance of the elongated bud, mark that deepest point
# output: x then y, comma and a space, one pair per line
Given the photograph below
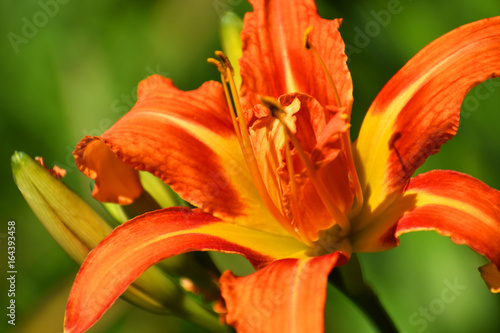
77, 228
230, 29
69, 220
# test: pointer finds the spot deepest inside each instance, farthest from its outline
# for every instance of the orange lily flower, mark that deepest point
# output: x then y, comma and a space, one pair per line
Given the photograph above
280, 183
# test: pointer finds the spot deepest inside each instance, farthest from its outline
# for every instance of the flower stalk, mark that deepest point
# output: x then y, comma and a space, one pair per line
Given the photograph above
350, 281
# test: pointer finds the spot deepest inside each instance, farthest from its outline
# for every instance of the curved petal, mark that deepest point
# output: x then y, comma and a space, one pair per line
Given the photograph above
140, 243
286, 296
275, 60
491, 275
187, 139
449, 202
418, 109
114, 181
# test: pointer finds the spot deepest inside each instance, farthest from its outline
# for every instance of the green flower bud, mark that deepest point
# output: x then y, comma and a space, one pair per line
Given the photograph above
77, 228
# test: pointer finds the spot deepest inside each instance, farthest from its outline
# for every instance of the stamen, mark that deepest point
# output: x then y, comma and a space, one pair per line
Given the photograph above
219, 67
277, 111
345, 137
273, 105
293, 187
225, 62
226, 70
223, 75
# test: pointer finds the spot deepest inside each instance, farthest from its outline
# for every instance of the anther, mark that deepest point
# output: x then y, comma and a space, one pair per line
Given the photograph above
225, 61
273, 105
219, 67
306, 43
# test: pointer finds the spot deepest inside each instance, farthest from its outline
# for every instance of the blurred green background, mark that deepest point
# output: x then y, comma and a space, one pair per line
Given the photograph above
75, 72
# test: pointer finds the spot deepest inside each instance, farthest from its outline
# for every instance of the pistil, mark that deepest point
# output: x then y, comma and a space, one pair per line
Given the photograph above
339, 218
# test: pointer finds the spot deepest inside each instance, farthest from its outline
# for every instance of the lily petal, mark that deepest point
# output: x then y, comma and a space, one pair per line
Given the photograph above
451, 203
114, 181
491, 275
418, 110
187, 139
275, 60
286, 296
140, 243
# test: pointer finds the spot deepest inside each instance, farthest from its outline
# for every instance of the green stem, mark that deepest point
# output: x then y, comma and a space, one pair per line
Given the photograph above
349, 280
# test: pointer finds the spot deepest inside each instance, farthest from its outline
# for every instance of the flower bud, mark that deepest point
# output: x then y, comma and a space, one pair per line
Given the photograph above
77, 228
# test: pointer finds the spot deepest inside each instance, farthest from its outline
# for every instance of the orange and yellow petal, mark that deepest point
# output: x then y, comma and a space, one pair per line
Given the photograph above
114, 181
187, 139
491, 275
140, 243
275, 60
286, 296
418, 110
451, 203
